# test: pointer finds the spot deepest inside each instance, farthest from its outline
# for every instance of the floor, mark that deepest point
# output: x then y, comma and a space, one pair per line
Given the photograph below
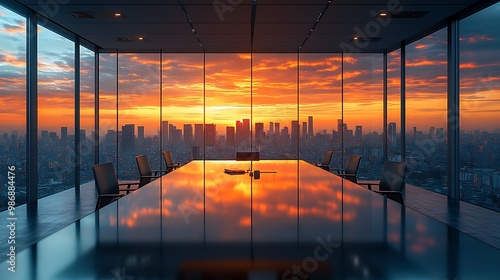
59, 210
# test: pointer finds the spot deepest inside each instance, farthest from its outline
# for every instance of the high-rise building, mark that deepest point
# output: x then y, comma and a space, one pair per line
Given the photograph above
64, 135
259, 134
295, 131
271, 127
128, 138
310, 131
188, 134
242, 132
304, 130
164, 132
277, 130
391, 134
210, 136
198, 135
230, 136
140, 136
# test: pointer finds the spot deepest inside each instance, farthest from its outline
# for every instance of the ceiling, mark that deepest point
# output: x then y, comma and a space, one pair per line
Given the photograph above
244, 25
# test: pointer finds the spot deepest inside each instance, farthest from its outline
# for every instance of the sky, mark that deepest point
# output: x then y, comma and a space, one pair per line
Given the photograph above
269, 92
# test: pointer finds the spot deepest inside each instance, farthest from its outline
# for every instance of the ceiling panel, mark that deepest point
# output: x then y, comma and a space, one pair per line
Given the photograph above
225, 26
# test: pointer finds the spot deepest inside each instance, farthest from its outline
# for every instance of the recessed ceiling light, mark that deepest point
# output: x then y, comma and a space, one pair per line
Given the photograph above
80, 14
383, 14
141, 38
355, 38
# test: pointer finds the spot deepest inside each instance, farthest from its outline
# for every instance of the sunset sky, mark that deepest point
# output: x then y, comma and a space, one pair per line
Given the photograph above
271, 86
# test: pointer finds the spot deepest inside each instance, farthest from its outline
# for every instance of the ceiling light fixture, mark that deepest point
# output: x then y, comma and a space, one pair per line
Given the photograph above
118, 14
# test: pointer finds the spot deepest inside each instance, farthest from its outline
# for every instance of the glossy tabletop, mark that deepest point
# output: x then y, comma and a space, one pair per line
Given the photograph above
294, 221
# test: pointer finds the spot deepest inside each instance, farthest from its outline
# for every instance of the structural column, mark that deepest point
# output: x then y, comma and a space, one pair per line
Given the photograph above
31, 112
453, 111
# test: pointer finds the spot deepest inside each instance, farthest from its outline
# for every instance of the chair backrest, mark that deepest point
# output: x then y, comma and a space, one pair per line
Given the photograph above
393, 176
167, 156
327, 157
144, 169
247, 156
352, 164
105, 178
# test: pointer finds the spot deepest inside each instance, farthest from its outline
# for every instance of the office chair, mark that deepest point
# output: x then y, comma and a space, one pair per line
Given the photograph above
351, 168
108, 186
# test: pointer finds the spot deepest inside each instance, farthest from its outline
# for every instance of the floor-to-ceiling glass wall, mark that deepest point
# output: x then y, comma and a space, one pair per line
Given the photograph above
182, 106
362, 126
320, 106
87, 114
276, 129
479, 108
56, 112
138, 112
426, 112
394, 106
13, 102
108, 106
227, 105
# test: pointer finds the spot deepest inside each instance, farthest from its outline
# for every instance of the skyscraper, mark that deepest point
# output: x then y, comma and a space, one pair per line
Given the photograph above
230, 136
210, 135
295, 131
310, 131
198, 135
140, 136
242, 131
188, 134
304, 129
64, 135
391, 134
259, 133
164, 132
128, 138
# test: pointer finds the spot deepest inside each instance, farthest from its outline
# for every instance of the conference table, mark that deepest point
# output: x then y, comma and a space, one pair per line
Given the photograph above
268, 219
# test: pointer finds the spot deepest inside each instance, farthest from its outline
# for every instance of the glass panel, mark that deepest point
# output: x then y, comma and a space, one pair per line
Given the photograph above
320, 106
182, 119
363, 112
56, 113
13, 101
87, 114
479, 109
394, 105
227, 107
274, 93
108, 135
138, 112
426, 112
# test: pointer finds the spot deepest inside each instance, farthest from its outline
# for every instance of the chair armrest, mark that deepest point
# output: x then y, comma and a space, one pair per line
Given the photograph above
369, 184
129, 186
157, 173
387, 192
337, 170
111, 195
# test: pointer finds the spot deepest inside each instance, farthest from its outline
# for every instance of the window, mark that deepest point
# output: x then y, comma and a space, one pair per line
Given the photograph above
394, 105
13, 102
108, 106
276, 129
320, 106
56, 112
362, 126
479, 109
426, 112
182, 112
87, 114
227, 104
138, 112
